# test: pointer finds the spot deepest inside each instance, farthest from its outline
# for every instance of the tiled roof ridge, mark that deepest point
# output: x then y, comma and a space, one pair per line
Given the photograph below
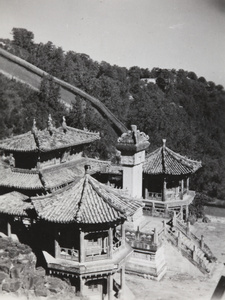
67, 164
82, 130
153, 152
163, 159
183, 159
109, 201
78, 215
34, 132
99, 160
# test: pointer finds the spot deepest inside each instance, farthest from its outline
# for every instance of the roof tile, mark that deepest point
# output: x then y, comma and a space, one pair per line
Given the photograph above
14, 203
166, 161
86, 202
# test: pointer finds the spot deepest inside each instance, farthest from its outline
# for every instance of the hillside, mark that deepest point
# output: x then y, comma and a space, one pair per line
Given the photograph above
177, 105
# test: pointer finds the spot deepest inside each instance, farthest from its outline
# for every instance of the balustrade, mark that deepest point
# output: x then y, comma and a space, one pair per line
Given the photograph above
69, 253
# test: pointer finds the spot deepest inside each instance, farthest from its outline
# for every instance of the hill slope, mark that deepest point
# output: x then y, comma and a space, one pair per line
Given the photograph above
177, 105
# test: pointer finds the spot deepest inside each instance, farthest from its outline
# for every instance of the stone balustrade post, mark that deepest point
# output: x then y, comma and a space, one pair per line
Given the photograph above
194, 255
181, 212
179, 240
164, 226
155, 237
188, 228
202, 242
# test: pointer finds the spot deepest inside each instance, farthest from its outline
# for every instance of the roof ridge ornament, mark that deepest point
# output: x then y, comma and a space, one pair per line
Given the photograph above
34, 127
164, 143
50, 125
64, 125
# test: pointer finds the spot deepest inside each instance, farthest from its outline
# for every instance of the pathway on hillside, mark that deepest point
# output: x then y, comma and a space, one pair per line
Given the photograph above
31, 75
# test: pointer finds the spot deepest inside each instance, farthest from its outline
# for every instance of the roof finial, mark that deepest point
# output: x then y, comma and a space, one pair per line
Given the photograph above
64, 126
87, 169
50, 126
164, 143
34, 127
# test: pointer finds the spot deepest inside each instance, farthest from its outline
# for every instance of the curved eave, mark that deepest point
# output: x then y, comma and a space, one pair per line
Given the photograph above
75, 221
14, 213
43, 149
19, 150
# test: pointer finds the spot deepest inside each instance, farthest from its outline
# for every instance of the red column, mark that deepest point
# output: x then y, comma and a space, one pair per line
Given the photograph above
110, 242
82, 246
164, 190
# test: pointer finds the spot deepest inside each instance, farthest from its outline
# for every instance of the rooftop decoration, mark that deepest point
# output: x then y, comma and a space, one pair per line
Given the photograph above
165, 161
87, 202
133, 140
48, 139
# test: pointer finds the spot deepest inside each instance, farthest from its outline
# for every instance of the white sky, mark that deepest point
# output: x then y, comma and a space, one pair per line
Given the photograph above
180, 34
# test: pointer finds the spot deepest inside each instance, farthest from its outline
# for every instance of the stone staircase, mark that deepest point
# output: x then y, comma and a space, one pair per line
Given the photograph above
194, 249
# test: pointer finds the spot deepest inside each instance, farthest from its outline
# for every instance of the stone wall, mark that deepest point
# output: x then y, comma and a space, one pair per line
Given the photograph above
19, 276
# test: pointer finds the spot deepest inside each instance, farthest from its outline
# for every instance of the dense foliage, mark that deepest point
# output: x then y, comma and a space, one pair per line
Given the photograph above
177, 105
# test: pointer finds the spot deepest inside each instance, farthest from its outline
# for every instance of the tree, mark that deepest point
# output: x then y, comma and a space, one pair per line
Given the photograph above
23, 38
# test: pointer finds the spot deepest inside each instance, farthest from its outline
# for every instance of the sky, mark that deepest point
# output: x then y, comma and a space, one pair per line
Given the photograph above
180, 34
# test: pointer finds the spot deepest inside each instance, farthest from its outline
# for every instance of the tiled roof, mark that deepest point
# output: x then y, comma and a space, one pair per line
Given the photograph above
57, 177
21, 143
61, 138
14, 203
103, 166
166, 161
19, 178
46, 140
86, 202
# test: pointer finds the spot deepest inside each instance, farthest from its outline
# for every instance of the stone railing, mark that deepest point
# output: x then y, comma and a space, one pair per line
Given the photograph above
144, 241
69, 253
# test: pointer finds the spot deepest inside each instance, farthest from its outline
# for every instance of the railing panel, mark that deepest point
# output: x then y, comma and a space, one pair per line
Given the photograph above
69, 253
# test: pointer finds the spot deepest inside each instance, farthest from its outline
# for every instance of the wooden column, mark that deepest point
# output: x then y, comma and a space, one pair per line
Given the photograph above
187, 186
9, 229
82, 247
110, 287
153, 209
164, 190
56, 242
110, 242
187, 212
81, 286
123, 236
147, 184
182, 189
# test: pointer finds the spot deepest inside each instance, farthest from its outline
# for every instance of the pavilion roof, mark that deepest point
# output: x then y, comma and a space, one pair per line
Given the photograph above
86, 202
55, 177
20, 143
49, 177
20, 178
165, 161
14, 203
48, 139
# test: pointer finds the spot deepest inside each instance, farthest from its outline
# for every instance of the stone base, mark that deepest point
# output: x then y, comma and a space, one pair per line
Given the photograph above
139, 264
